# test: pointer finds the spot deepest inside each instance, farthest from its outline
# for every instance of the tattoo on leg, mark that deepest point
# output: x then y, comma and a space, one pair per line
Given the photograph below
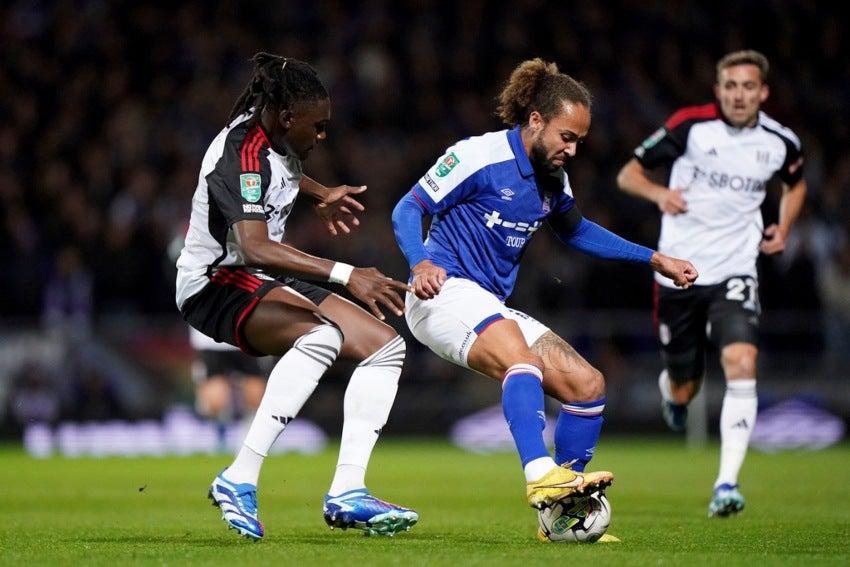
556, 352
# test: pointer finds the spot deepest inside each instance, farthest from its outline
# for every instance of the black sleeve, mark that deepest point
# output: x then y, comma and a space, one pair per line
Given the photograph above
567, 222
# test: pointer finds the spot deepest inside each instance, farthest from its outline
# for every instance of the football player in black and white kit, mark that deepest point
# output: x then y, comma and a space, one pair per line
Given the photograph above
721, 157
236, 283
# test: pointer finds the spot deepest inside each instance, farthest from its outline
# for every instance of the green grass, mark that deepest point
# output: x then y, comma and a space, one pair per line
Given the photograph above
154, 511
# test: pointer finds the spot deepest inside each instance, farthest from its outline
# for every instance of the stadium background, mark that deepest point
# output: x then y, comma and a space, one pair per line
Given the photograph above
107, 108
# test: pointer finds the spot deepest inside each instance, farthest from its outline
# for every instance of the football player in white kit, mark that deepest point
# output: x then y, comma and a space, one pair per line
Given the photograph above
487, 196
236, 282
721, 157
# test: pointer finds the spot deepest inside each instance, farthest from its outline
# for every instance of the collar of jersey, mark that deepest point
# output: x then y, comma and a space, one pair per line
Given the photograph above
522, 160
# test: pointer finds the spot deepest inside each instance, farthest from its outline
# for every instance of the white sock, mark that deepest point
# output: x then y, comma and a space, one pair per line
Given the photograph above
664, 386
290, 384
536, 468
737, 419
369, 398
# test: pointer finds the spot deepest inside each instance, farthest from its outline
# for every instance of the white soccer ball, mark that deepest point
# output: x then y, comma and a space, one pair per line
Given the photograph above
576, 519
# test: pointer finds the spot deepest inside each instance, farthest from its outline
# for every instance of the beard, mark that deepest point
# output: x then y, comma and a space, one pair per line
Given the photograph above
540, 158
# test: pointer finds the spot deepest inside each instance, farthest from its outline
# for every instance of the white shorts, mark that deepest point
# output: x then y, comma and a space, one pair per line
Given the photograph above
449, 323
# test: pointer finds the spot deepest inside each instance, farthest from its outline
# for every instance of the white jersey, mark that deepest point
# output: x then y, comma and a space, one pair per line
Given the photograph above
241, 178
724, 172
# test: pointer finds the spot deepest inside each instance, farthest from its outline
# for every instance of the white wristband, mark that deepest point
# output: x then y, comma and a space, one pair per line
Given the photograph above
340, 273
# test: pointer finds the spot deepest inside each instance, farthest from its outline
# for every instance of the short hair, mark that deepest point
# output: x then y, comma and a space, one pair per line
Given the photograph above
281, 82
538, 85
745, 57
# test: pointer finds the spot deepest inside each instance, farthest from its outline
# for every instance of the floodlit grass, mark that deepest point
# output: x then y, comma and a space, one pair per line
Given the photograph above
154, 511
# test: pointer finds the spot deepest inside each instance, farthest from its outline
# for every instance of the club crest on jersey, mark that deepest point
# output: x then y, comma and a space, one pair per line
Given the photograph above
449, 162
249, 184
547, 203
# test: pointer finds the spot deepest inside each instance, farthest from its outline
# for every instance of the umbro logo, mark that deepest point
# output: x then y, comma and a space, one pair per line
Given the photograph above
507, 194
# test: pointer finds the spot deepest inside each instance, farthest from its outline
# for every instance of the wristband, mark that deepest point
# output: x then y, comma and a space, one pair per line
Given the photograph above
340, 273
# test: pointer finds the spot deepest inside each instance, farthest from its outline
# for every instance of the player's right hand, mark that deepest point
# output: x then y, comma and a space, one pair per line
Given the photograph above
428, 279
338, 208
673, 202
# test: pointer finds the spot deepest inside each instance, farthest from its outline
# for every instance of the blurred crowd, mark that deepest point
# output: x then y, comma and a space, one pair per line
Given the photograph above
108, 106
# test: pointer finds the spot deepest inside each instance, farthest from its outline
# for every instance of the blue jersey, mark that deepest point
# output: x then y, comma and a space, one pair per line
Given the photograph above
486, 203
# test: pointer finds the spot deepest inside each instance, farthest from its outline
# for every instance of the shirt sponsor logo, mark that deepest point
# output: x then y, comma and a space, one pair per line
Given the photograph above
495, 219
449, 162
722, 180
249, 185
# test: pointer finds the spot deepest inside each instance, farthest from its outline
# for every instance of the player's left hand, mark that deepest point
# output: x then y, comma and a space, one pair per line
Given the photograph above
337, 208
376, 290
682, 272
773, 241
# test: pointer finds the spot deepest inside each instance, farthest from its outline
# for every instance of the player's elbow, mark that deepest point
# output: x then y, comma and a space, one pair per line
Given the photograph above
624, 178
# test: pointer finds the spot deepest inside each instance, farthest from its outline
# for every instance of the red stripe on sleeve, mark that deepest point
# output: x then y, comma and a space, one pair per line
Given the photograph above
250, 150
703, 112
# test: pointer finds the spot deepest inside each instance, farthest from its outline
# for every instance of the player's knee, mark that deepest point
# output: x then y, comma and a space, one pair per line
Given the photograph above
586, 387
684, 392
213, 397
368, 341
391, 354
739, 360
594, 387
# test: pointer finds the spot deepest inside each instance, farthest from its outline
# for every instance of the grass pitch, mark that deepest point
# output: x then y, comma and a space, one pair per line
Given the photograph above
154, 511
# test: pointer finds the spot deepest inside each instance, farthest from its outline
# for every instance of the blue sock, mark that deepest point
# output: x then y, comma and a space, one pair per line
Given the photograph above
524, 408
577, 431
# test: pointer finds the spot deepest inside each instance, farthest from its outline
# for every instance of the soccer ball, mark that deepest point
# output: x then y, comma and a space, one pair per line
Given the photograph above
575, 519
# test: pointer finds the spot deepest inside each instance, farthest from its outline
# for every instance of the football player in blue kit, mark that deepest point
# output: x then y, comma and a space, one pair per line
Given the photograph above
721, 156
487, 196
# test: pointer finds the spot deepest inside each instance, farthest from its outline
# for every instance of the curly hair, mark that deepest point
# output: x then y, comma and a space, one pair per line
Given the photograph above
280, 82
538, 85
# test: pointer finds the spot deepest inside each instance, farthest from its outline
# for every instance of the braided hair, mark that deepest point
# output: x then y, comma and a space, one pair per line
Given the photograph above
280, 82
538, 85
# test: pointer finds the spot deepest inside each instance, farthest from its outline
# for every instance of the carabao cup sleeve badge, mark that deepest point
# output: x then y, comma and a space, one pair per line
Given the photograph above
447, 164
249, 184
